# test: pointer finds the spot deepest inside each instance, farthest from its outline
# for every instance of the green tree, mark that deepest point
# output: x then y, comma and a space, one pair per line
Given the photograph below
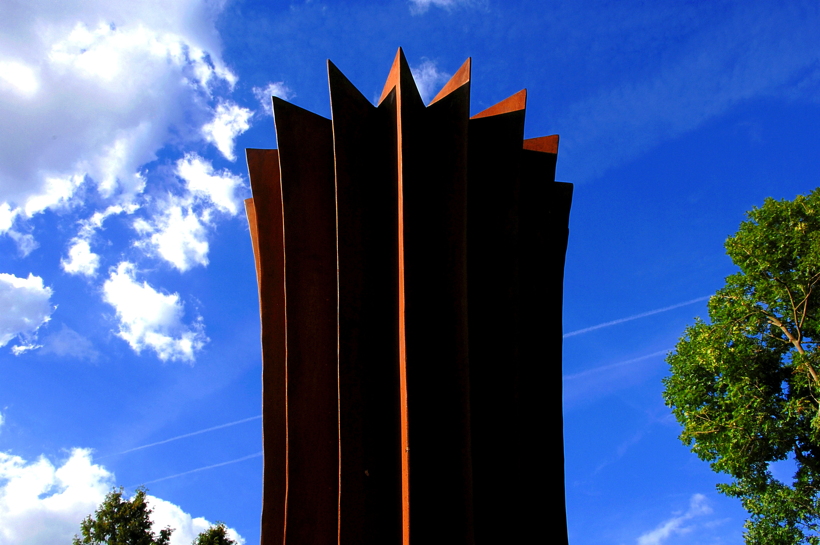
121, 522
744, 385
215, 535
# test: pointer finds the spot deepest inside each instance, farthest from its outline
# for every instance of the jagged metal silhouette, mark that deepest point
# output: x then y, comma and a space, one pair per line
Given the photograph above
410, 265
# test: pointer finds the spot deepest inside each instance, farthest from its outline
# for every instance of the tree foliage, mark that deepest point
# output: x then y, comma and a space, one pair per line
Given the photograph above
120, 521
745, 385
215, 535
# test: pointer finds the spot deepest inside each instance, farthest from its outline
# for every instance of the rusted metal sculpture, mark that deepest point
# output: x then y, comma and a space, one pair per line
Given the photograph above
410, 266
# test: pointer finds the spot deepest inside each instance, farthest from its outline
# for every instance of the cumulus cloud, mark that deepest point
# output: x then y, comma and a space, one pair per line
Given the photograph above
95, 222
6, 217
81, 260
276, 89
229, 121
42, 503
178, 231
18, 78
429, 79
186, 527
151, 319
218, 188
698, 506
94, 89
26, 306
56, 192
178, 236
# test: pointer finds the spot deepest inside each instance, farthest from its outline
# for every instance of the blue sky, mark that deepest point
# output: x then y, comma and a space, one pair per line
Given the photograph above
129, 330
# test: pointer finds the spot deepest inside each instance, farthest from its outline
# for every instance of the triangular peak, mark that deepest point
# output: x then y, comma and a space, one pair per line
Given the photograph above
338, 82
514, 103
393, 76
544, 144
461, 77
401, 79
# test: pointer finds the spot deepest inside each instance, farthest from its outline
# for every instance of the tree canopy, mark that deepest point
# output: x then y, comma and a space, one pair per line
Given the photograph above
120, 521
745, 386
215, 535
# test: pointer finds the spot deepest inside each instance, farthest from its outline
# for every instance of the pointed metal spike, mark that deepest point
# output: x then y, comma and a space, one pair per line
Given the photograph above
338, 82
392, 76
545, 144
461, 77
516, 102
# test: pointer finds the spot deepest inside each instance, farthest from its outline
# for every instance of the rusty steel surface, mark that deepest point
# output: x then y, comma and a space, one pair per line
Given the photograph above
410, 268
306, 164
267, 233
434, 188
370, 510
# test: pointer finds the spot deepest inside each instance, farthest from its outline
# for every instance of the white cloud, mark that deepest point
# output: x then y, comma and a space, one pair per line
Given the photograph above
94, 90
81, 260
698, 506
421, 6
26, 306
150, 319
18, 78
7, 216
123, 80
230, 120
58, 190
429, 79
24, 347
186, 527
178, 236
177, 232
218, 188
43, 504
95, 222
275, 89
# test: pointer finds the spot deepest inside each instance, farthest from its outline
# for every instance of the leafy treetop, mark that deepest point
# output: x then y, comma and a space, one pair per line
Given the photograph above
745, 385
120, 521
215, 535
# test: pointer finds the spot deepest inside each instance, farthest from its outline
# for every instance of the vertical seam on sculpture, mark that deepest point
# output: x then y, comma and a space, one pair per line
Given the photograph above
405, 440
338, 340
285, 312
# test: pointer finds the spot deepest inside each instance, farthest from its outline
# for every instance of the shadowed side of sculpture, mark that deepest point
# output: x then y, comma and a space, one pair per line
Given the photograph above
410, 266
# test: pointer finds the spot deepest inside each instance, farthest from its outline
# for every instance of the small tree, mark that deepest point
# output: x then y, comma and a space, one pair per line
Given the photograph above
121, 522
745, 385
215, 535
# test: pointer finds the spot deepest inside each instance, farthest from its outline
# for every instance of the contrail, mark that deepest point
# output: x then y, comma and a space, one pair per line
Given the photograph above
182, 436
613, 365
635, 317
258, 454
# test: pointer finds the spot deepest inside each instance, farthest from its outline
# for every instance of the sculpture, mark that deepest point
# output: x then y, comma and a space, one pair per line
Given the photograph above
410, 266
